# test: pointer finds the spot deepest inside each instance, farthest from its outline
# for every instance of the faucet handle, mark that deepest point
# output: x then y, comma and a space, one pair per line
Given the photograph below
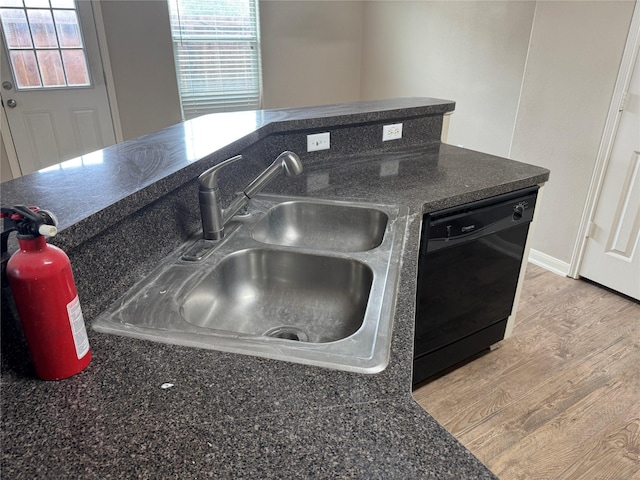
209, 179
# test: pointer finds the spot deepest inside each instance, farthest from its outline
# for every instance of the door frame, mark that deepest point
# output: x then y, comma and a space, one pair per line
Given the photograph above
606, 144
101, 33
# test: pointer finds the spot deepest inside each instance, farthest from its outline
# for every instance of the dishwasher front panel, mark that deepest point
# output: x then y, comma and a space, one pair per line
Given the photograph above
469, 268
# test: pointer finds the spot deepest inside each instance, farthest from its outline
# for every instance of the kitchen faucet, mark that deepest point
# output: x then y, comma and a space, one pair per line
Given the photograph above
214, 217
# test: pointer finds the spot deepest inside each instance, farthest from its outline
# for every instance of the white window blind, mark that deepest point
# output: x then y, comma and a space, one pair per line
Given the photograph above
217, 51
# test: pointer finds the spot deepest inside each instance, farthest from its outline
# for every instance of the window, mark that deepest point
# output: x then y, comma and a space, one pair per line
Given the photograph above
217, 53
44, 43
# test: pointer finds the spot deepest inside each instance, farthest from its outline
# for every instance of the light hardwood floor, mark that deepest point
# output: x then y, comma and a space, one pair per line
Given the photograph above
560, 399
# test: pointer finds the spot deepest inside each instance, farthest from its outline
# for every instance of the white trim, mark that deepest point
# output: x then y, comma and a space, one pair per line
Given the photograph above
101, 34
9, 147
259, 35
548, 262
446, 123
606, 144
511, 321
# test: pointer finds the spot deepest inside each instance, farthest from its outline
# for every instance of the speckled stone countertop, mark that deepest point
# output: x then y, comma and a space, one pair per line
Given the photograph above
228, 415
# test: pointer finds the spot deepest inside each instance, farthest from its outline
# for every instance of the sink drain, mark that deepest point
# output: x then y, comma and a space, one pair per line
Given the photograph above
287, 333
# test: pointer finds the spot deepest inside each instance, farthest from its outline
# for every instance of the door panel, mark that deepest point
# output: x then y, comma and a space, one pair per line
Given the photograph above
86, 126
42, 138
51, 125
624, 234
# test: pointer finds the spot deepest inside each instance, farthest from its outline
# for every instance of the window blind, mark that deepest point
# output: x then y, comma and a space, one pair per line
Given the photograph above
217, 52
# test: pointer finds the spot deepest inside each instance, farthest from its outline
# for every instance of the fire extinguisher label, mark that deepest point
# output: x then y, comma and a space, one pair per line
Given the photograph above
77, 327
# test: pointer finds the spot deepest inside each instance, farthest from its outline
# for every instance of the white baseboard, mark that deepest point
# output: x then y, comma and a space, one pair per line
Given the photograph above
548, 262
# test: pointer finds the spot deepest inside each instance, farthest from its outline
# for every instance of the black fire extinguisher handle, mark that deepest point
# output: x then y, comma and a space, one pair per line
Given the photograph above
28, 222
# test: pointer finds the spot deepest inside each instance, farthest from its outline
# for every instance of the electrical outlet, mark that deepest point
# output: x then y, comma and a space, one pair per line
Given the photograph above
318, 141
391, 132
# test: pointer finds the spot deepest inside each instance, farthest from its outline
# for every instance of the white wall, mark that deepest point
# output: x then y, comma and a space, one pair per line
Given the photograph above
141, 53
550, 113
469, 51
573, 63
310, 52
310, 55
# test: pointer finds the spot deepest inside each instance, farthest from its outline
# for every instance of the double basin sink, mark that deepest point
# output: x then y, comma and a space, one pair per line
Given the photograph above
303, 280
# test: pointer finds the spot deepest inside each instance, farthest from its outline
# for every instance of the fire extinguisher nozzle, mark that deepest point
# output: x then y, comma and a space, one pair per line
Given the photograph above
47, 230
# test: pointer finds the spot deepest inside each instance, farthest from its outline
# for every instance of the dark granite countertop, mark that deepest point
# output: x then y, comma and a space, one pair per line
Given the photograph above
237, 416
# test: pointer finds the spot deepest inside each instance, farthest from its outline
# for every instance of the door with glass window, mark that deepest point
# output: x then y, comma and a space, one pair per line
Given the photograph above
52, 83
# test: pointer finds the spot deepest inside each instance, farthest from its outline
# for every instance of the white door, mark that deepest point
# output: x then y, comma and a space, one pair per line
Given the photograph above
612, 255
52, 83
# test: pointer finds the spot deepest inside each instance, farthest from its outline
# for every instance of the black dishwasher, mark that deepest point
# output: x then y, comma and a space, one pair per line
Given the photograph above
470, 258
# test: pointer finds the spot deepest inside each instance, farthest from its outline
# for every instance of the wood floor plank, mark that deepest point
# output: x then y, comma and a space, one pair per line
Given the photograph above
616, 455
545, 402
524, 365
560, 442
559, 399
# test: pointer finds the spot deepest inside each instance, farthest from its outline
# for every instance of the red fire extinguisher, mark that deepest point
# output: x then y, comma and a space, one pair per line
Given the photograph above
45, 294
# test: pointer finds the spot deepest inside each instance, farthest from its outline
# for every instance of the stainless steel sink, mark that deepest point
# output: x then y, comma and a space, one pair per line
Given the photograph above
320, 226
323, 296
282, 294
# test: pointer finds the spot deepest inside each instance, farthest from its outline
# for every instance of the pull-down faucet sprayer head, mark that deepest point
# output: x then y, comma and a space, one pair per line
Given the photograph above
290, 163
